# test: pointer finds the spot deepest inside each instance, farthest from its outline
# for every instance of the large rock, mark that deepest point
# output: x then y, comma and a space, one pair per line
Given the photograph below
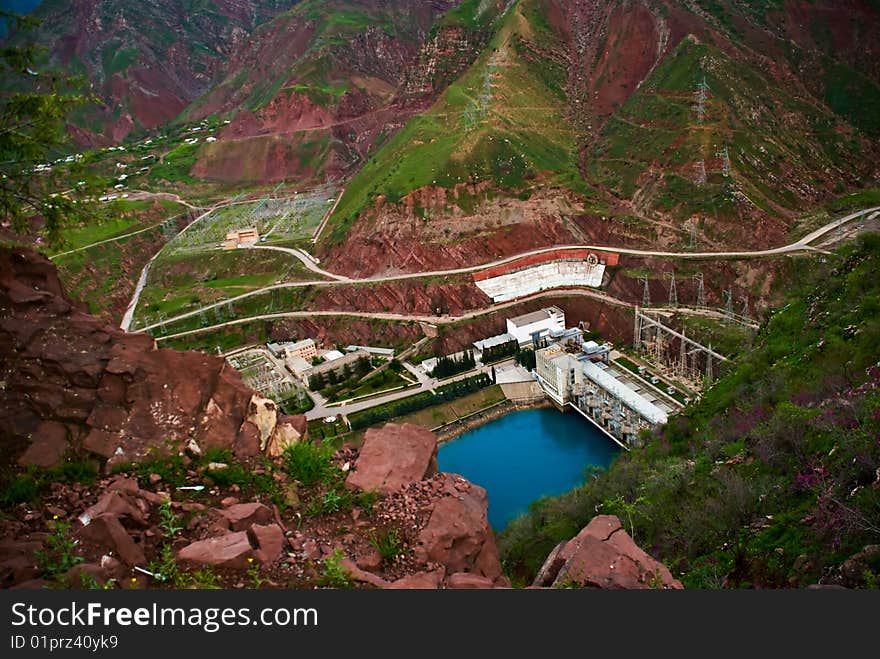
116, 503
428, 580
72, 381
289, 430
263, 413
231, 550
48, 445
269, 541
468, 581
242, 516
107, 531
394, 456
458, 535
603, 555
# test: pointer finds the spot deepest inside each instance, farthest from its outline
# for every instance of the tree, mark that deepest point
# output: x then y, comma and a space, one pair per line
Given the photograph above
316, 382
35, 103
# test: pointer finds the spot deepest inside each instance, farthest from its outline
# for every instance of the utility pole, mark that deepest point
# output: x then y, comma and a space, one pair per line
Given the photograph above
637, 330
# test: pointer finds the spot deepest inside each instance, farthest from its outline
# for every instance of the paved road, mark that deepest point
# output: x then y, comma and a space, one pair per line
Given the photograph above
307, 260
436, 320
802, 245
336, 279
142, 280
322, 410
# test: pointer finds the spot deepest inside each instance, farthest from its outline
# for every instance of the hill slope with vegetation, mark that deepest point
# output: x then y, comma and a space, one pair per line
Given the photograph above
773, 478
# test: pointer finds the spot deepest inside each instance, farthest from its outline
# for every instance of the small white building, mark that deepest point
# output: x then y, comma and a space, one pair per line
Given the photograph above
380, 352
531, 328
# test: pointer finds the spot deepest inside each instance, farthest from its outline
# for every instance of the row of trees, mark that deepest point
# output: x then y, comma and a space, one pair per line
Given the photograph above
347, 375
501, 351
449, 366
443, 394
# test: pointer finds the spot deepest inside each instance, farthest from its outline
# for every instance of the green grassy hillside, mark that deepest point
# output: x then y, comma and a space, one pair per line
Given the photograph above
784, 151
504, 121
772, 479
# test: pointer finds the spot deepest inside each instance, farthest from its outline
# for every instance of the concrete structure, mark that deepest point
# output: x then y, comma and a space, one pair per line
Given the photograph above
558, 269
241, 238
379, 352
532, 328
614, 400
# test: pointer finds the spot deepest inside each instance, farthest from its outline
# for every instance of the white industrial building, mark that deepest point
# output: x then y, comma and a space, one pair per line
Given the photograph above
612, 399
531, 328
555, 274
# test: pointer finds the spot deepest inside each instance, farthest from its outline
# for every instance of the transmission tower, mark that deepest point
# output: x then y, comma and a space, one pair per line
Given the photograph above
682, 361
701, 290
673, 292
646, 294
693, 236
728, 302
702, 94
709, 373
745, 311
701, 173
724, 154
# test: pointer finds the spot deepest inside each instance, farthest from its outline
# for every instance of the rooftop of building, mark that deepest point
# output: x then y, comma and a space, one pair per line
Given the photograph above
535, 316
493, 341
630, 398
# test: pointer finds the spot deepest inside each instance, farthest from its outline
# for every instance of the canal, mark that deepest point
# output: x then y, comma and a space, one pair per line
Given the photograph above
525, 455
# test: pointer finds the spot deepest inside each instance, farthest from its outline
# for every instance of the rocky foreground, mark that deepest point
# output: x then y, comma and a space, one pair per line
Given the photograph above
125, 466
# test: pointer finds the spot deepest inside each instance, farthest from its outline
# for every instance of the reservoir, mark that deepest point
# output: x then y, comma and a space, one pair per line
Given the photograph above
525, 455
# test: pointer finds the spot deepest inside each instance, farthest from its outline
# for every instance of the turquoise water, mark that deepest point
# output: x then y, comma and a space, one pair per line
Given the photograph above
525, 455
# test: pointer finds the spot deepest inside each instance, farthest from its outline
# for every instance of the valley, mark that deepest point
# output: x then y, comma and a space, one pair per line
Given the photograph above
339, 216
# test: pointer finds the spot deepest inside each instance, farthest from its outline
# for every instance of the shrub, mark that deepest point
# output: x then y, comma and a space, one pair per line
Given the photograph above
309, 463
388, 543
333, 575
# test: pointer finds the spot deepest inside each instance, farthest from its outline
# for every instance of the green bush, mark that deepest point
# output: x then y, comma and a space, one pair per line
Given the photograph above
309, 463
388, 543
333, 574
